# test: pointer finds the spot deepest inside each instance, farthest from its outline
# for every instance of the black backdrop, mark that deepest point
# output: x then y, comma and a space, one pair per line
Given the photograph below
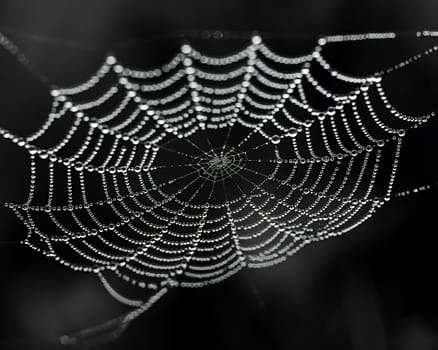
370, 289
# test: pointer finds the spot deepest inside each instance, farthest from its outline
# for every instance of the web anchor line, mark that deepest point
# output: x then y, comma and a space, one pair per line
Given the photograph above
113, 328
13, 49
207, 165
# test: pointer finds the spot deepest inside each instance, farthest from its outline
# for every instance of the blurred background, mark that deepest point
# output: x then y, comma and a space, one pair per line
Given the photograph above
373, 288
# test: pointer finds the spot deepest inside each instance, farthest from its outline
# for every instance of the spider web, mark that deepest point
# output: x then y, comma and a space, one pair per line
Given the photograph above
184, 175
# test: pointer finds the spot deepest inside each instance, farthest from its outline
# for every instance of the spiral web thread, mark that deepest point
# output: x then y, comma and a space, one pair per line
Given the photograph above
183, 175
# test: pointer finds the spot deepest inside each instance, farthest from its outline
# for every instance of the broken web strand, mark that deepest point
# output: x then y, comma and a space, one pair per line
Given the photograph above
182, 122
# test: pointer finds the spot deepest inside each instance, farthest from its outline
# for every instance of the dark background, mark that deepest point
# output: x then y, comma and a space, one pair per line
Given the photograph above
373, 288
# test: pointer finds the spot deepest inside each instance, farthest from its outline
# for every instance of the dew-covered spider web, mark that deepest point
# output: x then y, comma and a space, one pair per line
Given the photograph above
182, 176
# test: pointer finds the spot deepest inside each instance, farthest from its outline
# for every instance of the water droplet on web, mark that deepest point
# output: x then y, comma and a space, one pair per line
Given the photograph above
275, 139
